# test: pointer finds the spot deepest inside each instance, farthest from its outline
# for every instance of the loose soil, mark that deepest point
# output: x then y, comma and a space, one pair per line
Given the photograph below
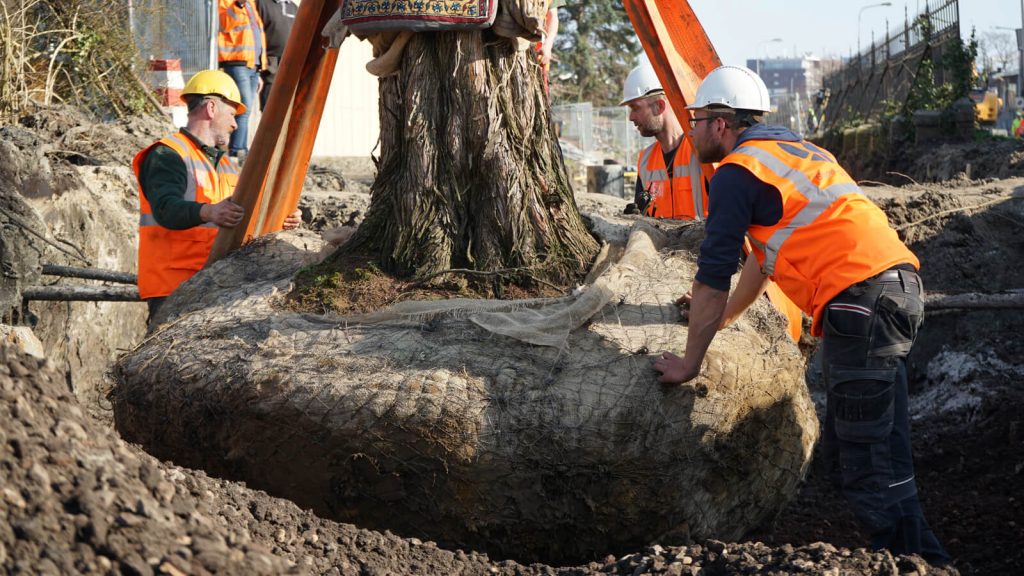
77, 499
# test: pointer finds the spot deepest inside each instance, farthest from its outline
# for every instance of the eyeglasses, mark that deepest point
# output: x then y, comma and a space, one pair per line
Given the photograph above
693, 121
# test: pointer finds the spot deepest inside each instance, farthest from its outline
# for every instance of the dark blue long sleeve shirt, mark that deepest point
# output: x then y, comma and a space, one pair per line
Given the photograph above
736, 200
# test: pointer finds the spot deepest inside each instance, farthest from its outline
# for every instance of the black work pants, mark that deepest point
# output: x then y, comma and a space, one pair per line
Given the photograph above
869, 329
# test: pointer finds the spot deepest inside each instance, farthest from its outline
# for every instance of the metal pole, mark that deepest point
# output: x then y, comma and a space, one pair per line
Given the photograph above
212, 11
1020, 53
89, 273
79, 293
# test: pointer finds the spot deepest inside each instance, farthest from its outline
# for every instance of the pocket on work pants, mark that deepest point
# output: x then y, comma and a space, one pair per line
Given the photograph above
847, 326
863, 403
898, 317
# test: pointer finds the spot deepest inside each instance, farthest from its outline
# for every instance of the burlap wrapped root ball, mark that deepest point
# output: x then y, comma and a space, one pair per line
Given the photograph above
438, 421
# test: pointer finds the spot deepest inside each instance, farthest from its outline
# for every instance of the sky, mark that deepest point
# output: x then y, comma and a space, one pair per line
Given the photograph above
827, 27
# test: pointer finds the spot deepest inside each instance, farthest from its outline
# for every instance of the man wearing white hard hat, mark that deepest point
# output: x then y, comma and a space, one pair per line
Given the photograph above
833, 253
671, 181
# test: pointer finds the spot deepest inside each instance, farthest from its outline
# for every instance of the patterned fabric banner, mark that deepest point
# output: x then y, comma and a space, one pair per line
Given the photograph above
418, 15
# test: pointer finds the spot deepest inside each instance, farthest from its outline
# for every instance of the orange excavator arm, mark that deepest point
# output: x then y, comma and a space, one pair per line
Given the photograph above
682, 55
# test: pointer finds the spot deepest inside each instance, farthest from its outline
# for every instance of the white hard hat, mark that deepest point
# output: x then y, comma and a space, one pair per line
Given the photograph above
732, 87
642, 81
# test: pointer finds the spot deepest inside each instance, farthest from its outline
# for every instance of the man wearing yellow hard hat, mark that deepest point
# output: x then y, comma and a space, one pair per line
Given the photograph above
186, 183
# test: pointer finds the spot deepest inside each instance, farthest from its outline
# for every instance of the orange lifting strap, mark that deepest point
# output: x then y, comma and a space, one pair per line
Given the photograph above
682, 55
271, 180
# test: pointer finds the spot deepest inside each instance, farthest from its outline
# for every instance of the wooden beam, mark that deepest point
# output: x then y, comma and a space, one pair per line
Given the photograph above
266, 155
677, 46
303, 125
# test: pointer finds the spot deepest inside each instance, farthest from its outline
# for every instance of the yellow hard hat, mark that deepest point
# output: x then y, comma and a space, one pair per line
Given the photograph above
215, 82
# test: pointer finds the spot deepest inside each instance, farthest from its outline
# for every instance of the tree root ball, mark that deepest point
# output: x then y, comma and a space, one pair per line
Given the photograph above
440, 422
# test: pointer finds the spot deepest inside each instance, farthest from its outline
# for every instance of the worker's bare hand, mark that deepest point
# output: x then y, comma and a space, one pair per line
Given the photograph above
226, 213
293, 220
684, 305
674, 370
545, 56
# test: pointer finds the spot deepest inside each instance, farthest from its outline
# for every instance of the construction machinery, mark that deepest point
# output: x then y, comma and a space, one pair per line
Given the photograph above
987, 105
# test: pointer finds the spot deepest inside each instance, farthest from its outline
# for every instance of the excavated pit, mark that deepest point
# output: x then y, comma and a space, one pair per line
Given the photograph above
77, 499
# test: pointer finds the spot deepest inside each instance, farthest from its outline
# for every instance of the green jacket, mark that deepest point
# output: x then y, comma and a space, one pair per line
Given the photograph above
163, 178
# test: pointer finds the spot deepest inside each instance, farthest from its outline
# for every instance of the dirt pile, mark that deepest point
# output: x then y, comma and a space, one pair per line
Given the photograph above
78, 500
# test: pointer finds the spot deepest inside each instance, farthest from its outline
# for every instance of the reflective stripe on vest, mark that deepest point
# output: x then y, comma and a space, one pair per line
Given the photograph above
654, 176
830, 236
819, 201
241, 37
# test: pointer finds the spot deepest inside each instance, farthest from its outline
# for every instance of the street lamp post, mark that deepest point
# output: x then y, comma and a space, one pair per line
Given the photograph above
879, 5
763, 42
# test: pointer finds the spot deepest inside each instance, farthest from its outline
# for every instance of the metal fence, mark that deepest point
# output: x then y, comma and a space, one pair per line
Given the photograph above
596, 135
789, 109
883, 74
176, 29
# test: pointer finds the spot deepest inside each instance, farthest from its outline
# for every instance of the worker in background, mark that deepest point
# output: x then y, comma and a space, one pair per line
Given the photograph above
186, 182
278, 16
547, 44
833, 253
1017, 128
242, 53
681, 191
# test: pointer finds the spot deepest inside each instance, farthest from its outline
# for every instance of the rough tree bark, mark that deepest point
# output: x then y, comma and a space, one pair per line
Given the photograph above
470, 172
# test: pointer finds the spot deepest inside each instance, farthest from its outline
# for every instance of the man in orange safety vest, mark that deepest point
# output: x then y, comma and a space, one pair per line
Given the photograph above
671, 180
833, 253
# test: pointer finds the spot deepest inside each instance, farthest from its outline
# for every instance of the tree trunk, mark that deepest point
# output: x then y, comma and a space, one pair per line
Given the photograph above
470, 173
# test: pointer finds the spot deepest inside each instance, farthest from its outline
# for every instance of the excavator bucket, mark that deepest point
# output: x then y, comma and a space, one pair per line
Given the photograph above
682, 55
271, 180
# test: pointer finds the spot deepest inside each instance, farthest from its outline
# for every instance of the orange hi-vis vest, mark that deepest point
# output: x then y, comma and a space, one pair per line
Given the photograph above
680, 194
830, 235
169, 257
236, 42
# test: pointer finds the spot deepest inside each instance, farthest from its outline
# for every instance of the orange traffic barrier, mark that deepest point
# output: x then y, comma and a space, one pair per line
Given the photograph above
169, 83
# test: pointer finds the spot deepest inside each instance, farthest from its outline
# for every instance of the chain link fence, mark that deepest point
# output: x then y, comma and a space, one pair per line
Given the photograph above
184, 30
591, 136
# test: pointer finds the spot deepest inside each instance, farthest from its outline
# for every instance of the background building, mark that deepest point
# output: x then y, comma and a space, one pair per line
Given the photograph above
792, 84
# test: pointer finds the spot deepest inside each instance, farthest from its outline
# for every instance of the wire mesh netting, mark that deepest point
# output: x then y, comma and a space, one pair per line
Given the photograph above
595, 135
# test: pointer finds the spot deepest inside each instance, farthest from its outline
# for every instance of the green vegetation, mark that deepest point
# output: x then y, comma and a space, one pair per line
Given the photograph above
596, 47
78, 52
958, 64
